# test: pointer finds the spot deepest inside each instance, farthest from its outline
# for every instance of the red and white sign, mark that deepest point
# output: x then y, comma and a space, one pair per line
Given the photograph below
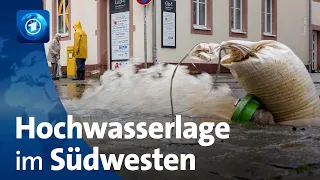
119, 64
143, 2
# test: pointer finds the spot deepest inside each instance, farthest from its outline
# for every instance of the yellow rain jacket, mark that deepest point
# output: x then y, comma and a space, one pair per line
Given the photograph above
80, 47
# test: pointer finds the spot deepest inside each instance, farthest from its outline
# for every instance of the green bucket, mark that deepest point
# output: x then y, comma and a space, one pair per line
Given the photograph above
245, 108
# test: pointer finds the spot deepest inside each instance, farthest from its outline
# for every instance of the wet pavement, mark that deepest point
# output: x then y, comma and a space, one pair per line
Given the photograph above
69, 89
252, 152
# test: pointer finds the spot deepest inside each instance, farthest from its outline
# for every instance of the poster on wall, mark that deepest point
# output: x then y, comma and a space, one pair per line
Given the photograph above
168, 24
119, 30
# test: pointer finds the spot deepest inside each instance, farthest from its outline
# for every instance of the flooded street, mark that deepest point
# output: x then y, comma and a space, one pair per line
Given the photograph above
252, 152
68, 89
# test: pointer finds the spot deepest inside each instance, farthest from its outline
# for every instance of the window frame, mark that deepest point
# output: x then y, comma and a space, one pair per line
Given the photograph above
234, 33
197, 24
266, 16
202, 30
64, 14
54, 16
274, 20
234, 9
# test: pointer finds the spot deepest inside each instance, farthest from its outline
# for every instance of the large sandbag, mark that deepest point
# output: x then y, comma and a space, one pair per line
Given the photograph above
273, 73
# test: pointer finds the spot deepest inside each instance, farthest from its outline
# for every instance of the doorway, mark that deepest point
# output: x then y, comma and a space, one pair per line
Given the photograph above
103, 33
102, 39
314, 49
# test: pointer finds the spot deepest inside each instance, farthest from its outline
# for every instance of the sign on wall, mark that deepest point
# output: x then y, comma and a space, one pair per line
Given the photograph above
119, 64
168, 24
119, 30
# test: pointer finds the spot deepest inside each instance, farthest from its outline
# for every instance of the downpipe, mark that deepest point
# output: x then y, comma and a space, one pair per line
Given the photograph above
154, 32
310, 36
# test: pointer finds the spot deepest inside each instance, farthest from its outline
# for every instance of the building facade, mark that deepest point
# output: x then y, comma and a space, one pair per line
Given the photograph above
114, 37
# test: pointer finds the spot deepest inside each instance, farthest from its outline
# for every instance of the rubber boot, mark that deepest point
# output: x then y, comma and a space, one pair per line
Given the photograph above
78, 76
83, 74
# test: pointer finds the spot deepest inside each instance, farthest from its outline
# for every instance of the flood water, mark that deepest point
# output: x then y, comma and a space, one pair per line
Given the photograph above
148, 92
72, 90
252, 152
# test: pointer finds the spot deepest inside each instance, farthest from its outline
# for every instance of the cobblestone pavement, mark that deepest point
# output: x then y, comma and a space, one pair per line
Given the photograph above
251, 152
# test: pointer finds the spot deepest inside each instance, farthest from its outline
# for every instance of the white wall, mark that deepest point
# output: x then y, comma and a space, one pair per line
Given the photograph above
293, 26
220, 28
316, 13
138, 34
184, 39
86, 12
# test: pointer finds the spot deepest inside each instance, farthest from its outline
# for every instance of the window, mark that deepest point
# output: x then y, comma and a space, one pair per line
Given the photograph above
200, 13
238, 18
201, 17
268, 16
236, 15
63, 17
269, 19
61, 12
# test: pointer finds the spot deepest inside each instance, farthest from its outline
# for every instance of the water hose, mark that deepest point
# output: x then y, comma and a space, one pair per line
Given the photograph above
246, 107
175, 70
171, 83
215, 51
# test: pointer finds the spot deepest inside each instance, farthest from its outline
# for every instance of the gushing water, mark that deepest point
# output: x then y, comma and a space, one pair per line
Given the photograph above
148, 92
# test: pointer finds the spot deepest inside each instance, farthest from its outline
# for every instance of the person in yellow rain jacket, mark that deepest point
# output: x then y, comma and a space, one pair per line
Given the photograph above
80, 50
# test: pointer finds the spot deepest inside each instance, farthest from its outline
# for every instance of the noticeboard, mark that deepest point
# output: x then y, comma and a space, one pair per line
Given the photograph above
119, 30
168, 24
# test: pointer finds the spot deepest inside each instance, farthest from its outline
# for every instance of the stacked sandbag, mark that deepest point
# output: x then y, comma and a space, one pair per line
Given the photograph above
272, 72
